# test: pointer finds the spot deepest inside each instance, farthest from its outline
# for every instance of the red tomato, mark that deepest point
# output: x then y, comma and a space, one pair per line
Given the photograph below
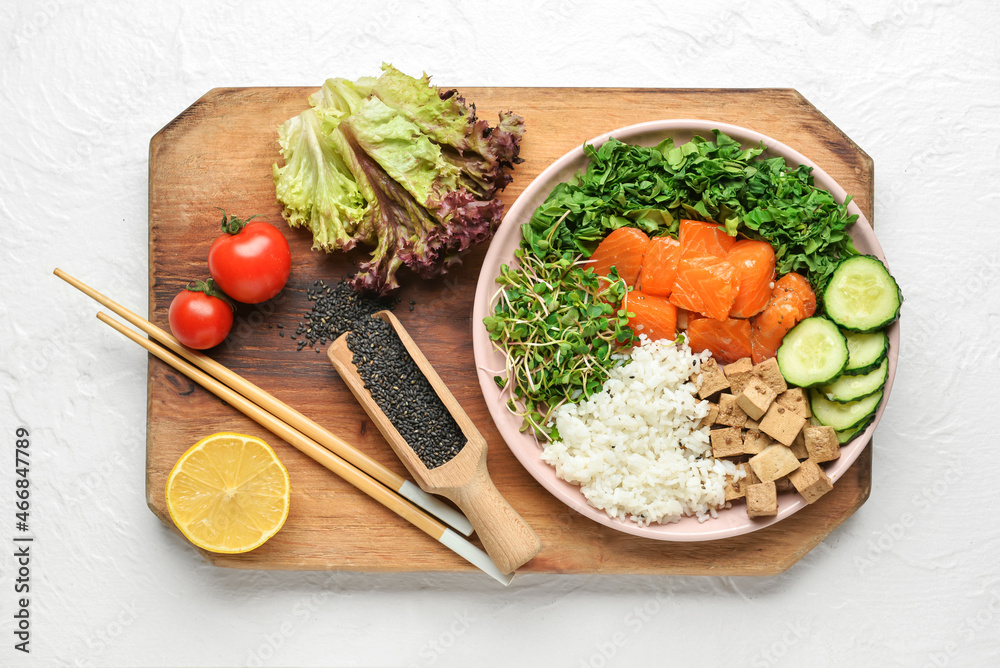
198, 318
251, 261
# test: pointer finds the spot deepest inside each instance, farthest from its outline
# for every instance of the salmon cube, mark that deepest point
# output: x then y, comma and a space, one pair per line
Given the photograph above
700, 238
753, 261
659, 266
704, 284
653, 316
624, 250
728, 340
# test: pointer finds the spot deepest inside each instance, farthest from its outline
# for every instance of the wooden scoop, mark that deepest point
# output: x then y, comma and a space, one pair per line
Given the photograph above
505, 535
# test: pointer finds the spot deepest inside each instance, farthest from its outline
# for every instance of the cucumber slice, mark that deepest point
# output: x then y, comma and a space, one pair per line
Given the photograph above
846, 436
865, 351
851, 388
843, 417
862, 295
814, 352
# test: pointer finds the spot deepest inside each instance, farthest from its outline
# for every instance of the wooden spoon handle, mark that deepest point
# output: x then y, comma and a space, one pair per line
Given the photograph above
505, 535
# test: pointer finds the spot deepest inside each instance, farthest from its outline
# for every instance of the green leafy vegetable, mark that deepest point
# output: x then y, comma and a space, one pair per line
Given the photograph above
652, 188
397, 164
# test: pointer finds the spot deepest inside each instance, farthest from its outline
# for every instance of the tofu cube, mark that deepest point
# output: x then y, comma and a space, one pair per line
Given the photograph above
811, 481
795, 398
754, 440
709, 420
773, 462
768, 372
730, 413
821, 443
762, 500
738, 373
726, 442
783, 485
711, 379
798, 446
782, 424
755, 398
752, 424
737, 489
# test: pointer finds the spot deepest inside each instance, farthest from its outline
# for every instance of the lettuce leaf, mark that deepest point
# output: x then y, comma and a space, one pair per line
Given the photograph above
398, 164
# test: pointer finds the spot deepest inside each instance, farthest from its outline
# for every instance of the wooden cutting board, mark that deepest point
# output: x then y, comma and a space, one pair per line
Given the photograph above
219, 152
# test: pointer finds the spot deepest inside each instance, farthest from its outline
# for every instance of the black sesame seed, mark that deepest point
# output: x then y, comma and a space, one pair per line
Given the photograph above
335, 310
415, 410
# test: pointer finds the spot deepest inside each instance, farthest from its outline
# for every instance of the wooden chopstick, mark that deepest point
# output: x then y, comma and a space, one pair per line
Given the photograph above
283, 411
311, 448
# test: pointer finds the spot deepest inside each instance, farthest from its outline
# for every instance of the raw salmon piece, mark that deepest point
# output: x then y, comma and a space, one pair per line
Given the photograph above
654, 316
753, 263
728, 340
659, 267
698, 238
623, 249
796, 283
769, 327
704, 284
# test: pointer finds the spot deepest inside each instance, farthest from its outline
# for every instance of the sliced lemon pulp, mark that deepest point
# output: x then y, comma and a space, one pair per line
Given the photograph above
228, 493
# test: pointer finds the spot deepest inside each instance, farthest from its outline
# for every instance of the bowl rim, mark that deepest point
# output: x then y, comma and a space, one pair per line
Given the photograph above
500, 251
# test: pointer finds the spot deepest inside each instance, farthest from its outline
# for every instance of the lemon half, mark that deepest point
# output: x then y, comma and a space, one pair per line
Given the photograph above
228, 493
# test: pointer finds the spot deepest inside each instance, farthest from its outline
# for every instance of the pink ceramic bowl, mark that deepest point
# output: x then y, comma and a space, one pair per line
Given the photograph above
731, 522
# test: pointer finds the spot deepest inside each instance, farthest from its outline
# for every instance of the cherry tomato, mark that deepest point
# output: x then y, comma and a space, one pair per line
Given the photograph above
199, 317
251, 261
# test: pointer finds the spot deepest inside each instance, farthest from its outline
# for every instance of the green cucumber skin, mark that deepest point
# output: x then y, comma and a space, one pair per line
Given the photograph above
815, 394
791, 376
847, 435
862, 330
868, 368
846, 400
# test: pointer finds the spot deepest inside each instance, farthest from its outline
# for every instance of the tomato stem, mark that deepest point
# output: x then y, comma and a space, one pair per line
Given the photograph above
211, 289
232, 224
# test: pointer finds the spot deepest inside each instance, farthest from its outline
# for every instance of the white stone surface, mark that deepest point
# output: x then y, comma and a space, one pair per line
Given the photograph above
912, 579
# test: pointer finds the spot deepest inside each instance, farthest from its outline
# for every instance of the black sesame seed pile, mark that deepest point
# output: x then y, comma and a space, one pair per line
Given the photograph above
335, 310
403, 393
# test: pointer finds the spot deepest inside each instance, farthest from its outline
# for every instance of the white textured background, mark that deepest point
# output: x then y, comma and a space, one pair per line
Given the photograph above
913, 579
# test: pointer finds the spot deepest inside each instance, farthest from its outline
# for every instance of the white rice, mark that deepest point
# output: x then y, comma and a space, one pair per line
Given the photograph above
635, 448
